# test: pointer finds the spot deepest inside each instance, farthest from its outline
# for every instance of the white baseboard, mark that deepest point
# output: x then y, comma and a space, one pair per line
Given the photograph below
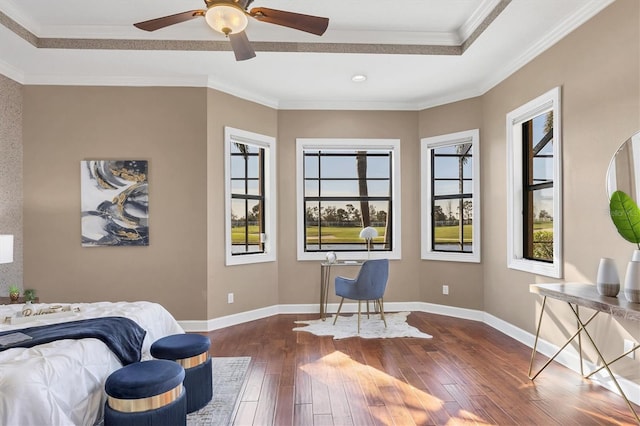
569, 357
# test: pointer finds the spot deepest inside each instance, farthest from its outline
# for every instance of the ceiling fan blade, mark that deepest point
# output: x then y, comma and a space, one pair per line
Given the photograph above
241, 46
311, 24
165, 21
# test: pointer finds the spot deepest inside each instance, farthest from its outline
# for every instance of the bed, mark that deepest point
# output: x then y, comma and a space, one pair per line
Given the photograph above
62, 382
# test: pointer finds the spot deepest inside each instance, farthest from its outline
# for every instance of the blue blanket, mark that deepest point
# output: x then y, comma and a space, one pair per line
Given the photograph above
123, 336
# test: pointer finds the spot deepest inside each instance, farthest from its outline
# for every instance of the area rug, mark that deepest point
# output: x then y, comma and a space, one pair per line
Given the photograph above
228, 377
370, 328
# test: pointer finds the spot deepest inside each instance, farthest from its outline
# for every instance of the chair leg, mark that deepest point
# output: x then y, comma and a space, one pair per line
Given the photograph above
368, 309
338, 313
359, 302
381, 303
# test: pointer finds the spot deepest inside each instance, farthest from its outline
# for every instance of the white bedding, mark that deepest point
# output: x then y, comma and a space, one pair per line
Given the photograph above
62, 383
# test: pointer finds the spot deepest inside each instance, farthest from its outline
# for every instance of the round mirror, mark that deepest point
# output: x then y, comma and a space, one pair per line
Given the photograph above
624, 169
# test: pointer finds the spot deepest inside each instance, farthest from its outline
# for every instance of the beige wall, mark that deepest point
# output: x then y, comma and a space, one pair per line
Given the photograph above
465, 280
167, 127
180, 131
11, 179
597, 67
300, 281
254, 286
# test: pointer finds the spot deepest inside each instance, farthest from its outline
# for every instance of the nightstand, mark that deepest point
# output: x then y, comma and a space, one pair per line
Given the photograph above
8, 301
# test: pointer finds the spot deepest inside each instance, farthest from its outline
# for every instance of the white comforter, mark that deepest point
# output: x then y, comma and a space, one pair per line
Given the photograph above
62, 383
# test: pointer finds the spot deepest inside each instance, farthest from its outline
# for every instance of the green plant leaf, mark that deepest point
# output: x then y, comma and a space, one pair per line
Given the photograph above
625, 215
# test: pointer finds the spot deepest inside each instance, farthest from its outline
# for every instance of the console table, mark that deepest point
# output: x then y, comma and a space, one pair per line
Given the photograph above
586, 295
325, 276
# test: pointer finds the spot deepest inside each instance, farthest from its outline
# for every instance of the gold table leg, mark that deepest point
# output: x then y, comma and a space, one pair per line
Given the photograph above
636, 347
582, 327
604, 363
533, 352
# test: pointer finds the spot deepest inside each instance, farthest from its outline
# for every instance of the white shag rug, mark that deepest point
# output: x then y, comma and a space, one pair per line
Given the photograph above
370, 328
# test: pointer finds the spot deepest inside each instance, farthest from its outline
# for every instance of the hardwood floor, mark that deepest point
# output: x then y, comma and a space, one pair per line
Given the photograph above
468, 373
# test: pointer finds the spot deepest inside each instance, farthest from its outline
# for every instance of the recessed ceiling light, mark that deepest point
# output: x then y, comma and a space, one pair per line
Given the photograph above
358, 78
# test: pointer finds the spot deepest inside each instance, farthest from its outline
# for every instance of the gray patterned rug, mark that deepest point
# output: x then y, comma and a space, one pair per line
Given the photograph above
228, 377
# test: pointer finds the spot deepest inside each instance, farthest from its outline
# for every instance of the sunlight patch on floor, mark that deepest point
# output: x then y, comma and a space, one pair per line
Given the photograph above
340, 364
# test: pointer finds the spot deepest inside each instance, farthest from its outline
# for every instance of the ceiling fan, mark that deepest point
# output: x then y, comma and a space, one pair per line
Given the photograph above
229, 17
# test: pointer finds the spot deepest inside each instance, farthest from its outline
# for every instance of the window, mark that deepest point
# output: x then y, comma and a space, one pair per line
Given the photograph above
250, 197
450, 188
344, 185
534, 186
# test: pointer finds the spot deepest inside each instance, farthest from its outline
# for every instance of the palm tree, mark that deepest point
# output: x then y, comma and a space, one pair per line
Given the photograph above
361, 164
462, 151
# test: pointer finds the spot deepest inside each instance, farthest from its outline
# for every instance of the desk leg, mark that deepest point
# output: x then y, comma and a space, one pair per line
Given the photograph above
327, 279
325, 272
322, 284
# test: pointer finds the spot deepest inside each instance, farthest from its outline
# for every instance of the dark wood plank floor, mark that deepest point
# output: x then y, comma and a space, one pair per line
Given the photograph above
468, 373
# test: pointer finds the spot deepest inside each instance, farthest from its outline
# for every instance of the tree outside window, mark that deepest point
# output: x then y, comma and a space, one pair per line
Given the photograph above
344, 185
450, 194
250, 197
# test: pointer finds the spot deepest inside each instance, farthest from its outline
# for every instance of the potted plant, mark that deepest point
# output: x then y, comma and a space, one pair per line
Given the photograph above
14, 293
29, 295
625, 215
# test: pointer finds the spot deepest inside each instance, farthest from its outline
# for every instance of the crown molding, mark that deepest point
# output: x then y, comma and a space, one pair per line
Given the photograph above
589, 10
12, 72
484, 15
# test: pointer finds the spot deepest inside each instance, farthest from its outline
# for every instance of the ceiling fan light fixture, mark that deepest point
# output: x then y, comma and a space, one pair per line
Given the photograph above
358, 78
226, 18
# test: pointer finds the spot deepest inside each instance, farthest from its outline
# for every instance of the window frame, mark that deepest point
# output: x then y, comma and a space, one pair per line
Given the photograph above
268, 143
549, 101
393, 145
427, 146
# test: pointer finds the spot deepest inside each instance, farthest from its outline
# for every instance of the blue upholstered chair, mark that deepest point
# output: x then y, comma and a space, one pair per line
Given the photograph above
370, 284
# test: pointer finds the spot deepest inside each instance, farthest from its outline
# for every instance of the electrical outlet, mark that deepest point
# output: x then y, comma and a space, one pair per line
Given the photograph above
445, 289
230, 298
628, 345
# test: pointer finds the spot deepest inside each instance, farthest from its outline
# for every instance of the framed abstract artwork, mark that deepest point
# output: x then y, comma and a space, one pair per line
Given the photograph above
114, 203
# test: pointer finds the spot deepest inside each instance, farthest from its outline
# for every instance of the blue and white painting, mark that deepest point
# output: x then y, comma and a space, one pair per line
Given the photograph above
115, 203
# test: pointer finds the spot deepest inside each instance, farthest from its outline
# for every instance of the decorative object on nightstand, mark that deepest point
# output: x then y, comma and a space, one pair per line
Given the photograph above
608, 282
625, 215
29, 295
14, 293
368, 234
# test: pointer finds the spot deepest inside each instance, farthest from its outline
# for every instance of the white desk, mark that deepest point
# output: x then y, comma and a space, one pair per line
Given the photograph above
586, 295
325, 277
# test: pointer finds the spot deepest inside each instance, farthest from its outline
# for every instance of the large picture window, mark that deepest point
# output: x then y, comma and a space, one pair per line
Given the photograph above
344, 186
250, 197
450, 188
535, 186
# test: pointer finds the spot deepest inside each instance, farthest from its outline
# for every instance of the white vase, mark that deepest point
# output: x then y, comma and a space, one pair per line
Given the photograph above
632, 282
636, 256
608, 281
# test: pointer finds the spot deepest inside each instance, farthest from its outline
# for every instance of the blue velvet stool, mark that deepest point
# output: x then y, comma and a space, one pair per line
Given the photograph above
147, 393
191, 351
